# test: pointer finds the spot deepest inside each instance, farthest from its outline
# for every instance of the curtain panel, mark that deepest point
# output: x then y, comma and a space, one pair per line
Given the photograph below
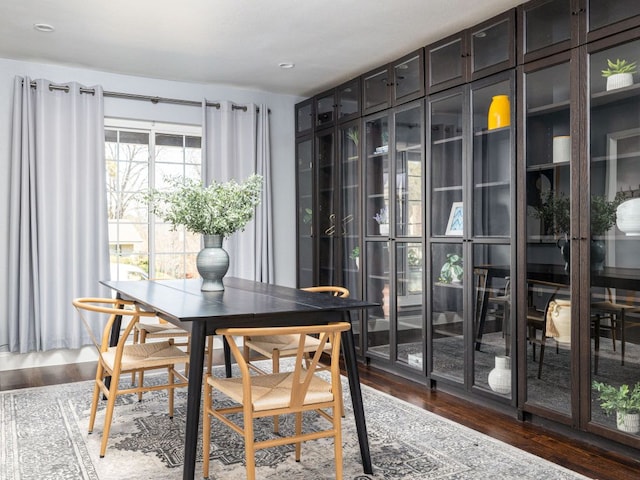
58, 235
236, 144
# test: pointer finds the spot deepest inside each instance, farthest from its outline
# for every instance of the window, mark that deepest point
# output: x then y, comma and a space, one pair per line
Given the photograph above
139, 156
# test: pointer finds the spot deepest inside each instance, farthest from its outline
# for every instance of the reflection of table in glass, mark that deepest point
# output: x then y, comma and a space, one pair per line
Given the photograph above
242, 304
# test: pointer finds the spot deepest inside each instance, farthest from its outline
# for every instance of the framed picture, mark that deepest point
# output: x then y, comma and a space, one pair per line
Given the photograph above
454, 226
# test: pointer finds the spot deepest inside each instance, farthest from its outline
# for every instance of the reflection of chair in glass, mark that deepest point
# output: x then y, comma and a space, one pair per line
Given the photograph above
537, 315
276, 394
615, 313
496, 302
124, 357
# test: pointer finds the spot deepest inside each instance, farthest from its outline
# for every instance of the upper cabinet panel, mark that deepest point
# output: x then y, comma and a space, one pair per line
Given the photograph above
394, 83
604, 18
348, 97
545, 28
325, 108
304, 117
474, 53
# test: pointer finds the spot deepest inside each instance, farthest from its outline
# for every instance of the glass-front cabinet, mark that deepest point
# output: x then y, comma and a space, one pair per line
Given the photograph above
305, 202
471, 165
394, 209
613, 236
550, 161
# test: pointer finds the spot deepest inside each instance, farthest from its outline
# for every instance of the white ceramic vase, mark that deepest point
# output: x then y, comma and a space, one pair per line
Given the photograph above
619, 80
628, 422
628, 217
500, 377
560, 311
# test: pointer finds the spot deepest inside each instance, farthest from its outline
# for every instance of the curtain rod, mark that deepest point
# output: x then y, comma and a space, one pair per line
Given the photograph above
134, 96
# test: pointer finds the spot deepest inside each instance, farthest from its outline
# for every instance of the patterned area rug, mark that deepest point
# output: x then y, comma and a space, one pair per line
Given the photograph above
43, 435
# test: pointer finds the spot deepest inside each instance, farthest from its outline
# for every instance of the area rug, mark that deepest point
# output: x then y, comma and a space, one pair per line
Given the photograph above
43, 435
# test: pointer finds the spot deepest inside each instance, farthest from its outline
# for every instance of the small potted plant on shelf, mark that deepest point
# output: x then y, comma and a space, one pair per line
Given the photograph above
382, 217
623, 400
355, 255
451, 271
619, 74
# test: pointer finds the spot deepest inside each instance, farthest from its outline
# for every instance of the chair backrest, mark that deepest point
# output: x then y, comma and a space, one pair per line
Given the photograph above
335, 290
113, 308
303, 372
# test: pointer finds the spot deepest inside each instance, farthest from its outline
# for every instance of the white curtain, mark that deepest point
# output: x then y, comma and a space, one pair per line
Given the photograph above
58, 236
235, 145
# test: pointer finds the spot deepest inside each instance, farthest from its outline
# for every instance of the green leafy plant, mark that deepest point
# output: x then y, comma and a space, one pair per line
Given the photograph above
307, 216
355, 253
603, 212
619, 66
553, 210
219, 209
414, 257
622, 399
452, 268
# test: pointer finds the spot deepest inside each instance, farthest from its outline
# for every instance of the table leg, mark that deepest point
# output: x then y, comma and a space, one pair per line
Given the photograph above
349, 352
194, 395
227, 357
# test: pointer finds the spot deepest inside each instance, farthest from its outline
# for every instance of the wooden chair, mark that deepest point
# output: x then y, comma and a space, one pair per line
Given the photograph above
276, 347
161, 329
537, 317
277, 394
126, 358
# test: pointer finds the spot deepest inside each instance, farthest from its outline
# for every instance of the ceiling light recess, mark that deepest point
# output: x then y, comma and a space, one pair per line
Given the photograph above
286, 65
43, 27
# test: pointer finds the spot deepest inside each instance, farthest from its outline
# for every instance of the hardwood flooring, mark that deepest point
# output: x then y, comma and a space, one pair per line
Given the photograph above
589, 460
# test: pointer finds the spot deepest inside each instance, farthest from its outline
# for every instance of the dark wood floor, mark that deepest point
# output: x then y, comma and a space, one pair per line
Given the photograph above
588, 460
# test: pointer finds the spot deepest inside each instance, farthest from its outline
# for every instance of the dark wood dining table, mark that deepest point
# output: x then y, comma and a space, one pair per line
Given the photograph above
243, 303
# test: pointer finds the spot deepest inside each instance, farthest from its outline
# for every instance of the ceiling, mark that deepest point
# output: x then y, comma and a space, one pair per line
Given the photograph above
234, 42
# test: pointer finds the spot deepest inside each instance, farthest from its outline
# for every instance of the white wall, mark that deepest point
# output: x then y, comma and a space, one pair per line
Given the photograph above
282, 142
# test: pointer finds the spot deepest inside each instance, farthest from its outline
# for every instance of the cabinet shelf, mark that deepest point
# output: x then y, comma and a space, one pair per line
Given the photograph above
548, 108
495, 131
447, 140
603, 98
448, 285
447, 189
546, 166
500, 183
380, 154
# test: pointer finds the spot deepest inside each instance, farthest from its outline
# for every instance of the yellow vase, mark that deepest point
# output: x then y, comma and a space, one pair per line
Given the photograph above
499, 112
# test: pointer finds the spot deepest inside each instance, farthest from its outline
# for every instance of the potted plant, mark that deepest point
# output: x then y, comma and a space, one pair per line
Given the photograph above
625, 401
619, 74
382, 217
355, 255
215, 211
451, 271
553, 211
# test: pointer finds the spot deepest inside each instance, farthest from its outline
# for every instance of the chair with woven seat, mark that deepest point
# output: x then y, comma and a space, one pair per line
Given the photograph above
274, 394
124, 358
161, 329
281, 346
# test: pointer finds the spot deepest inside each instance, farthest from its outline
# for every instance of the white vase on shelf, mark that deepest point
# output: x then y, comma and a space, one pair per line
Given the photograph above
500, 377
628, 422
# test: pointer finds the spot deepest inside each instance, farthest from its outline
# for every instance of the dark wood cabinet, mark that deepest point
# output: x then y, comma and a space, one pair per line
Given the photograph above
467, 230
395, 83
476, 52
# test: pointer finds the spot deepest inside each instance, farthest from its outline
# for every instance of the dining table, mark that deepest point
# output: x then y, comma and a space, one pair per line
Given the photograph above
242, 303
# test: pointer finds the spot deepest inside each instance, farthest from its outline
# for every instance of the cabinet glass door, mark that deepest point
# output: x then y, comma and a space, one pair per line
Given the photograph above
546, 24
447, 165
491, 206
408, 77
377, 176
620, 14
375, 86
549, 162
614, 227
304, 183
349, 100
350, 207
446, 63
325, 108
328, 217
